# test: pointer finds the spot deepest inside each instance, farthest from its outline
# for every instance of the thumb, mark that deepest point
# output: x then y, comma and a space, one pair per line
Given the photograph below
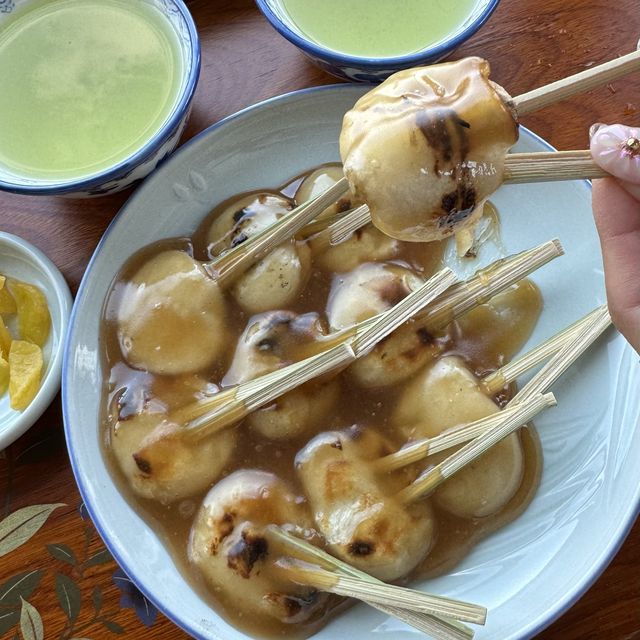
616, 148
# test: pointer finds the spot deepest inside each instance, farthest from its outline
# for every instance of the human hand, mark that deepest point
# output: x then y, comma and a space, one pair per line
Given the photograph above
616, 209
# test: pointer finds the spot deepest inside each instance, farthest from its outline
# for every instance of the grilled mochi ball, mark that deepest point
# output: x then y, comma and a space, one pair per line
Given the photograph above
357, 511
275, 280
427, 147
172, 317
230, 550
271, 341
446, 394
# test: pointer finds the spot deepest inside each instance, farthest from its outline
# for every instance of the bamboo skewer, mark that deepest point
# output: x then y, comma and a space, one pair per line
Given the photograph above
511, 371
427, 483
438, 627
401, 597
540, 383
488, 282
557, 366
403, 311
583, 81
420, 449
341, 229
550, 166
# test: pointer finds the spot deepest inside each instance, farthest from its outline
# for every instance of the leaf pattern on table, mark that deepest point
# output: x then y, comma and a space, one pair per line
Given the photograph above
114, 627
21, 525
132, 598
69, 596
20, 586
30, 622
8, 619
101, 557
18, 616
63, 553
96, 599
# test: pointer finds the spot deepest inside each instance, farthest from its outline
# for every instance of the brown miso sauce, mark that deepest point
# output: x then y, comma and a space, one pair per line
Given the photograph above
126, 392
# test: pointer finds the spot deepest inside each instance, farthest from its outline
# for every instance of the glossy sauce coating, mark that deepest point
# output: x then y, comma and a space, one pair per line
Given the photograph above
426, 148
483, 344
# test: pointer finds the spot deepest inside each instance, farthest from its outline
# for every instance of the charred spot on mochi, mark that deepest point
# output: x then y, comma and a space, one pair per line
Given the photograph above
361, 548
336, 444
246, 552
225, 529
463, 123
343, 205
445, 134
142, 464
239, 239
392, 292
358, 233
425, 337
239, 214
458, 205
434, 129
292, 606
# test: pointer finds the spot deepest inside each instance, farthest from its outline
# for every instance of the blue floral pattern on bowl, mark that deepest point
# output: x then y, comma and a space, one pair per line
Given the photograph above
361, 69
146, 159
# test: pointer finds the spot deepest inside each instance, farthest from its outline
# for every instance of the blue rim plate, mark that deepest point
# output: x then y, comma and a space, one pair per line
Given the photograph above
530, 572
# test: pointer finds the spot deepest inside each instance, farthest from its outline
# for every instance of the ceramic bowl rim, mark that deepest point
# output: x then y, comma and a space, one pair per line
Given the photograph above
367, 63
561, 607
147, 150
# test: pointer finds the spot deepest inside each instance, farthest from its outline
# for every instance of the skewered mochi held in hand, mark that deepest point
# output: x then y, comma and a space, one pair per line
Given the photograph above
171, 317
229, 549
276, 279
426, 148
446, 394
271, 341
358, 512
173, 468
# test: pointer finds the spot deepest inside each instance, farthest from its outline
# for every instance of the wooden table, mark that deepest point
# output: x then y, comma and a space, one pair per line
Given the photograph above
63, 570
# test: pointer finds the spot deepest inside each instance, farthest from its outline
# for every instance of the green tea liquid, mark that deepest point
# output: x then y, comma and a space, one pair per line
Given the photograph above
378, 28
83, 84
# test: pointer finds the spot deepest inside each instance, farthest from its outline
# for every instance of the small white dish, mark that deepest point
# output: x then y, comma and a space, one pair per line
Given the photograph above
21, 260
528, 573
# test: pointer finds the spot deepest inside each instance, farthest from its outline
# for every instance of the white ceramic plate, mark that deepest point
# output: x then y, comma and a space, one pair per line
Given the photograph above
528, 573
21, 260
